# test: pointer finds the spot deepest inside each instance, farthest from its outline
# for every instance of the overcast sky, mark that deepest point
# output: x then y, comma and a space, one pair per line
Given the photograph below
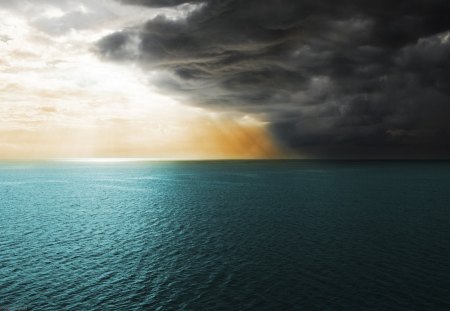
263, 78
60, 98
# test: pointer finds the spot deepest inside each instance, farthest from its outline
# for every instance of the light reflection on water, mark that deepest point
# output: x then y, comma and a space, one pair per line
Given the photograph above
225, 235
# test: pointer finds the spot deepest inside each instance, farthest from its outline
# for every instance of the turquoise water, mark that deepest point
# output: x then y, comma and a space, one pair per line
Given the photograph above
296, 235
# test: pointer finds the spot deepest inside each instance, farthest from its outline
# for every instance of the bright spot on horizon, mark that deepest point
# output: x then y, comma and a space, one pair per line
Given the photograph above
107, 160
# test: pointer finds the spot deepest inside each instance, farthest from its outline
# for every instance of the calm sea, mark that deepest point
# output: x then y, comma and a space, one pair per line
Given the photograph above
239, 235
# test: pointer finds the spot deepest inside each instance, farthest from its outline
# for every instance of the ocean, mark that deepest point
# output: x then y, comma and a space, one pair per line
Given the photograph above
225, 235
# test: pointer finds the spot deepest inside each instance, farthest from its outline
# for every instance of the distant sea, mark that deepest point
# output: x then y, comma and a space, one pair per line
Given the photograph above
237, 235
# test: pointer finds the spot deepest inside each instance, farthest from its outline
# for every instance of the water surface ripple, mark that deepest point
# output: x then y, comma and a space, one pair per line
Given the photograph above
295, 235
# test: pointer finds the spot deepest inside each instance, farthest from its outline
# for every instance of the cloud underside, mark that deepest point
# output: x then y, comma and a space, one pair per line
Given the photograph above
332, 78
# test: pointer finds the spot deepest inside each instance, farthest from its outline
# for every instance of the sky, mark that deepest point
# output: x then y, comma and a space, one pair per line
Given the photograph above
225, 79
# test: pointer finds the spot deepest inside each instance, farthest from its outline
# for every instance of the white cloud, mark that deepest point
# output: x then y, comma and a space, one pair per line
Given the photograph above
58, 98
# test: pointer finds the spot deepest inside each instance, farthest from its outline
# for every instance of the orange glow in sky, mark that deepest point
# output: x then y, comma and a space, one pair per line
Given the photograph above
57, 99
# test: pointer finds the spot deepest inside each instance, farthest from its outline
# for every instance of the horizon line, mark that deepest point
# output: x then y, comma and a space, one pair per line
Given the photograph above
168, 159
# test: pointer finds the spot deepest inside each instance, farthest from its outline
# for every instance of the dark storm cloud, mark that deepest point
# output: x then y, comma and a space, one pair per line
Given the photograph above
333, 78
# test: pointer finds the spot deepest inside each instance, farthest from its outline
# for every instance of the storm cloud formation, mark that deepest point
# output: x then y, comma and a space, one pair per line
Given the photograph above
334, 78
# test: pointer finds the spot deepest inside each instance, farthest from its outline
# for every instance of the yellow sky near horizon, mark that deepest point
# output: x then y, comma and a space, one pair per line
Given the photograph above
57, 99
